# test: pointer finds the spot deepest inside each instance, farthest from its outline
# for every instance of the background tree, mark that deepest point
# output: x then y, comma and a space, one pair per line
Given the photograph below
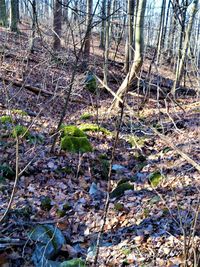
180, 65
14, 15
88, 28
138, 57
129, 47
103, 23
3, 15
34, 21
57, 24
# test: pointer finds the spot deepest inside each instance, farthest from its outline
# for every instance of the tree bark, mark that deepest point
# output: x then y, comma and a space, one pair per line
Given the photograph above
3, 15
57, 24
138, 57
88, 28
34, 21
129, 41
14, 15
103, 23
179, 70
106, 53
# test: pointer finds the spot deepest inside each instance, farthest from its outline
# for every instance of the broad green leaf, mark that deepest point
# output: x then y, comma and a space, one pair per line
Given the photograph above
119, 190
155, 178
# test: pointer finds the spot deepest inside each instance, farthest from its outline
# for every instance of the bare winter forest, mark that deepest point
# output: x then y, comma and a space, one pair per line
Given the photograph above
99, 133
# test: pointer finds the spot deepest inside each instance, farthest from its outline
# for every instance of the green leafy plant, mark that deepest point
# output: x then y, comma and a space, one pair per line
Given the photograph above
20, 130
6, 172
46, 203
5, 119
36, 138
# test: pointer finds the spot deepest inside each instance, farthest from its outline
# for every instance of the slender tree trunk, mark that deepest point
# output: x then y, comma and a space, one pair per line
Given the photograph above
138, 57
161, 31
34, 21
179, 70
106, 54
3, 15
88, 28
166, 24
129, 38
57, 24
17, 11
103, 24
14, 15
65, 11
172, 30
46, 8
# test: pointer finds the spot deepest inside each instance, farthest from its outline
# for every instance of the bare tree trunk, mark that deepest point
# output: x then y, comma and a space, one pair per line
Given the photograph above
65, 10
179, 70
47, 8
57, 26
161, 31
103, 24
129, 40
3, 15
14, 15
88, 28
166, 24
34, 21
106, 54
138, 57
171, 36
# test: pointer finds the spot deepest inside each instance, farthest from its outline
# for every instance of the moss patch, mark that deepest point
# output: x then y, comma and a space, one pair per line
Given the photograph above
86, 116
5, 119
136, 141
71, 130
20, 130
90, 127
19, 112
76, 144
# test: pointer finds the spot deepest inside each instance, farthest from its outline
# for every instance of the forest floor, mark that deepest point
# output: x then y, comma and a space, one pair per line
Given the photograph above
156, 223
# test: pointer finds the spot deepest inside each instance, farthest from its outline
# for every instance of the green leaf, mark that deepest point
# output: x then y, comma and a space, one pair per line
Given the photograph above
73, 263
166, 149
120, 189
155, 178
